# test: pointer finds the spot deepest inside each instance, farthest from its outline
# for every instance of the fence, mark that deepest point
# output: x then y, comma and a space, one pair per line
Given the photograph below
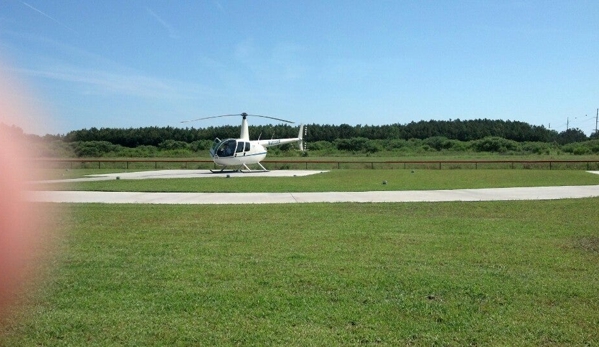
75, 163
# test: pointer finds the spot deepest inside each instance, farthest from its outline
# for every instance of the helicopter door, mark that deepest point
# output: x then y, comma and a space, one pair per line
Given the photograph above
242, 147
239, 147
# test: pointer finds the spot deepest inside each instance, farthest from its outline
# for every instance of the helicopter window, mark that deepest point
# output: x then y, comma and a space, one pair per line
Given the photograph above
240, 146
247, 146
226, 149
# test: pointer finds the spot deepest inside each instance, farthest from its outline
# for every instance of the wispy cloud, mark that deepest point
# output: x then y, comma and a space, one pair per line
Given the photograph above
91, 73
103, 82
172, 33
47, 16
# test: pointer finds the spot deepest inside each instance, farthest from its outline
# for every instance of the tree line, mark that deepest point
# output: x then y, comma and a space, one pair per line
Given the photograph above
453, 136
467, 130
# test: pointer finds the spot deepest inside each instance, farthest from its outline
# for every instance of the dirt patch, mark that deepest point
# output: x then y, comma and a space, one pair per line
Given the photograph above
588, 244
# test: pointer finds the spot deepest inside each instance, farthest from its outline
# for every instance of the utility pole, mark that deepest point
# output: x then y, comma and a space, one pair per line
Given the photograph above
596, 120
567, 123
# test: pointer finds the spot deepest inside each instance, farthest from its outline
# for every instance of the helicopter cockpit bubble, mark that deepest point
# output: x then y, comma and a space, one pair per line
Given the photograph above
226, 148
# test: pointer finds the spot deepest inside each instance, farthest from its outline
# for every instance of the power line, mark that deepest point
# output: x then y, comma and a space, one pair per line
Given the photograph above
579, 122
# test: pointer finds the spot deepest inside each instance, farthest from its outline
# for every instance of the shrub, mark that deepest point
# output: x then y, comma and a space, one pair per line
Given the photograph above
54, 149
200, 145
372, 146
438, 142
173, 145
576, 148
391, 145
141, 151
93, 148
537, 147
458, 146
319, 146
494, 144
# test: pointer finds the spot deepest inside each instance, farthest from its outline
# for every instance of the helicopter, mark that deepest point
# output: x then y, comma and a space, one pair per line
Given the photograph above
241, 152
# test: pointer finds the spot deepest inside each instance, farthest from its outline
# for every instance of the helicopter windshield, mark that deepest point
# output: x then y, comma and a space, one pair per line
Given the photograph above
225, 148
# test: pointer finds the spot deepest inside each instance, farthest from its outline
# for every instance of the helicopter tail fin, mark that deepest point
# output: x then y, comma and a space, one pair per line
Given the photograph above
303, 130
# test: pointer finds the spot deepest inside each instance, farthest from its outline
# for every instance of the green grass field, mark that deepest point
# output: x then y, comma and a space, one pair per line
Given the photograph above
475, 273
452, 274
347, 180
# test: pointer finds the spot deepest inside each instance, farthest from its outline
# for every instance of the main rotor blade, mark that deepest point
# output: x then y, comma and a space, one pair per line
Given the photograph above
279, 119
237, 115
224, 115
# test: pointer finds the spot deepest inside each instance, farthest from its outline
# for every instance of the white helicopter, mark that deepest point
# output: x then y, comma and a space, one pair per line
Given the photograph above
241, 152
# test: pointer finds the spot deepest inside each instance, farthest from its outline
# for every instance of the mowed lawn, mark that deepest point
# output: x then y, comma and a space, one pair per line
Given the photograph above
487, 273
346, 180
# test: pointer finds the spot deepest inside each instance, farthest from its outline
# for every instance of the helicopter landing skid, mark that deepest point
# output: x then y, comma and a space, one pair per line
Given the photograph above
223, 170
248, 170
262, 167
241, 169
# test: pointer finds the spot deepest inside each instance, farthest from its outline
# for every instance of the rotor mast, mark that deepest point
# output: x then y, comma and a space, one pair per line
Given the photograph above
245, 133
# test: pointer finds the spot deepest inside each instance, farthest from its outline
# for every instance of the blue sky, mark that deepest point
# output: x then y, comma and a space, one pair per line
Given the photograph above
155, 63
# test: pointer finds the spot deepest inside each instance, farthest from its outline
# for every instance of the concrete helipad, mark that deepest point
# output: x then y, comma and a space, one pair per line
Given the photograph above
496, 194
536, 193
142, 175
